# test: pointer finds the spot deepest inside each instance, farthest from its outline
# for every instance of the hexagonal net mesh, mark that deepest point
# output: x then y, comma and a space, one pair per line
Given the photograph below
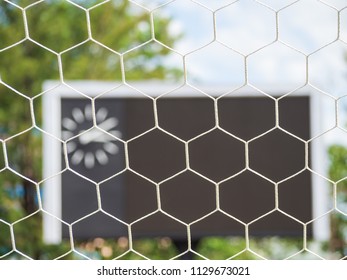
172, 129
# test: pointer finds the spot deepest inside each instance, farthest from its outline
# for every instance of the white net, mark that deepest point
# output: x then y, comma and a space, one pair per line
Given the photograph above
217, 123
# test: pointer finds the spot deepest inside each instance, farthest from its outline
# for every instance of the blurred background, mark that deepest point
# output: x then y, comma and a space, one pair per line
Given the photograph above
201, 44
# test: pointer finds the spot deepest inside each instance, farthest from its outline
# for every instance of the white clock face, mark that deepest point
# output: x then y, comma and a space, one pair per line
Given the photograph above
92, 146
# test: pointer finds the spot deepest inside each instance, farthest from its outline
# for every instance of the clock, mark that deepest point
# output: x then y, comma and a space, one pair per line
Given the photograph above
90, 146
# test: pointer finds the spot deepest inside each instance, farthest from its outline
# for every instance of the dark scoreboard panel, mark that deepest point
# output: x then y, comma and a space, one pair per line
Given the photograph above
154, 156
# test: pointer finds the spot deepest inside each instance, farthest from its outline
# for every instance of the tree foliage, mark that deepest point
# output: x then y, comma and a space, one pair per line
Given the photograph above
338, 173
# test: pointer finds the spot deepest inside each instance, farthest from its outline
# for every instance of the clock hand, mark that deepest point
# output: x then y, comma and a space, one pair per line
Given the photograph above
96, 135
108, 124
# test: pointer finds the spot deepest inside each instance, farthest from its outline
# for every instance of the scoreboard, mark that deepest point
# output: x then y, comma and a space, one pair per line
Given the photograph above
160, 166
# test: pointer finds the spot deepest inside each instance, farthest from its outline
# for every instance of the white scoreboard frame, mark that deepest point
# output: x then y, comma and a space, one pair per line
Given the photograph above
55, 91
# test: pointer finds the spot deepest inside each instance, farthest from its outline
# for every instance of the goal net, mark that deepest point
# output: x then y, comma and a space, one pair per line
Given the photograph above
173, 129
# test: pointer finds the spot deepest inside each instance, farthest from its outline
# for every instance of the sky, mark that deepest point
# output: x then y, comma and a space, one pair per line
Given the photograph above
246, 26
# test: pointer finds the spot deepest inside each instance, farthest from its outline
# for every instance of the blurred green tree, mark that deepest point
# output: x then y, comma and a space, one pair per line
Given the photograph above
338, 222
61, 40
